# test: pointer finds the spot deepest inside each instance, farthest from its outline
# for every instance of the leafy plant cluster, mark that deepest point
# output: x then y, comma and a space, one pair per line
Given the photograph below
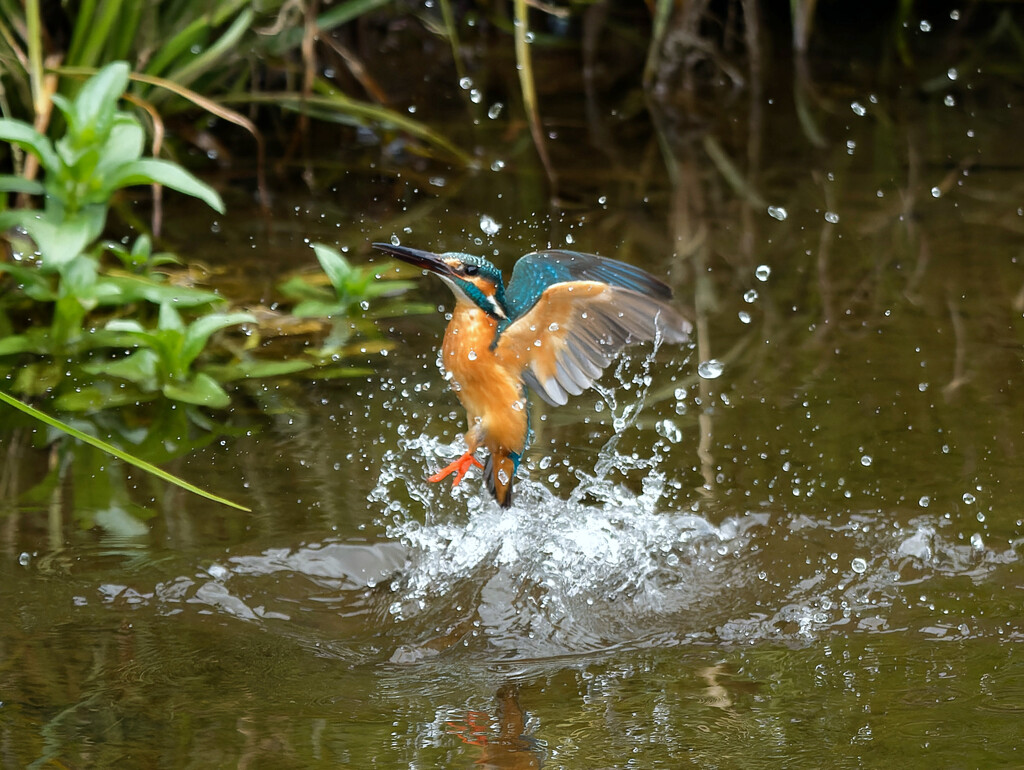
96, 324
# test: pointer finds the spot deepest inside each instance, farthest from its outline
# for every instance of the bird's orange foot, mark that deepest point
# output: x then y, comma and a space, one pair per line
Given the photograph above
460, 467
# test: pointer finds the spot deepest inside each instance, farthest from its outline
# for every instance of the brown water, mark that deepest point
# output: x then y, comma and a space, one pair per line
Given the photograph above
809, 556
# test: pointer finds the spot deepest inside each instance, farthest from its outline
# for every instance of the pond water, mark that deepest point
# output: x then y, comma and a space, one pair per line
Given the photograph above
794, 542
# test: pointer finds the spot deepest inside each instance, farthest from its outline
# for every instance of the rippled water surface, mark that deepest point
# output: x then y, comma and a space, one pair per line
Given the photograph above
794, 542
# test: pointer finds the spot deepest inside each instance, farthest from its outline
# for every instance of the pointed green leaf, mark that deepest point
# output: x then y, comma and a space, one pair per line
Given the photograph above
336, 266
199, 331
256, 369
202, 390
24, 135
134, 288
157, 171
169, 319
139, 367
96, 103
57, 243
17, 184
112, 450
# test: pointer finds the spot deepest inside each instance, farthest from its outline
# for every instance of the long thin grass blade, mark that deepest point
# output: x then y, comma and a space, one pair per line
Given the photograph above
524, 62
103, 446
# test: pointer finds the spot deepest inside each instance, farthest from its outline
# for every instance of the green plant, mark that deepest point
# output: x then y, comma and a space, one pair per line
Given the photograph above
347, 287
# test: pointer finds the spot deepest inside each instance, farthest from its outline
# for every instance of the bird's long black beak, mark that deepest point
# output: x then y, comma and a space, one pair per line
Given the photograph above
425, 259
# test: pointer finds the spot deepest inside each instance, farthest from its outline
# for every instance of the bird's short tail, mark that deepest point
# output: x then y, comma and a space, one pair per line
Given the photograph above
499, 473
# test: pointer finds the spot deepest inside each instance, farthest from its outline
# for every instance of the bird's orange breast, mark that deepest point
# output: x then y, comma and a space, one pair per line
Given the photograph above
490, 391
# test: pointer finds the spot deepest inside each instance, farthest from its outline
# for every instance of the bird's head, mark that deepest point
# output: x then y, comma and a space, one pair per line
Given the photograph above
472, 278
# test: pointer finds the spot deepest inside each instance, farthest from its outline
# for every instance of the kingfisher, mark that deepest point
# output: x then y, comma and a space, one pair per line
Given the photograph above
562, 319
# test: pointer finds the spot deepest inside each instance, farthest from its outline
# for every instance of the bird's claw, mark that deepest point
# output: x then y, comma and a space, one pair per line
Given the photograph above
460, 467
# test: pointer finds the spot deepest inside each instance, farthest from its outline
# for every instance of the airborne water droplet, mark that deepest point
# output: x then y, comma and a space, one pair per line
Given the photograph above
859, 566
471, 355
762, 272
711, 369
488, 225
777, 212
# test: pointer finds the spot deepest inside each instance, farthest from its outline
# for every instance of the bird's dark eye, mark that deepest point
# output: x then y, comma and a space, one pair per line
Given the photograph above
470, 269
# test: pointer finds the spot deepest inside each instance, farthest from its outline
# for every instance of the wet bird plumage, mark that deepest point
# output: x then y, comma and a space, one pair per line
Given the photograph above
561, 320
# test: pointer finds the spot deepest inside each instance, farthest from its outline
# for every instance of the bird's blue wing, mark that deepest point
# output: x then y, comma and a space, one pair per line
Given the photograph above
535, 272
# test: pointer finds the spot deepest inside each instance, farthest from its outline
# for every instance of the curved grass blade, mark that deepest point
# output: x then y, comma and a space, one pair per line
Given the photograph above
341, 108
113, 450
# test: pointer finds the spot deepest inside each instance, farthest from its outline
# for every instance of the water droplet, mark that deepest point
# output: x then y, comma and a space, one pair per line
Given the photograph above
495, 110
497, 164
949, 101
977, 543
488, 225
24, 558
859, 566
569, 238
762, 273
471, 355
744, 316
831, 217
669, 430
969, 498
475, 95
553, 327
924, 501
395, 241
922, 386
750, 295
518, 405
925, 26
777, 212
866, 460
466, 83
503, 476
952, 73
858, 109
936, 192
711, 369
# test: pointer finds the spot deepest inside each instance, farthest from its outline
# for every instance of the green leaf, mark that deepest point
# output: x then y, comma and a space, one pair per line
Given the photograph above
169, 320
157, 171
114, 451
202, 390
140, 367
135, 288
93, 398
57, 243
124, 144
24, 135
94, 108
16, 343
336, 266
33, 282
199, 331
299, 288
17, 184
255, 369
313, 308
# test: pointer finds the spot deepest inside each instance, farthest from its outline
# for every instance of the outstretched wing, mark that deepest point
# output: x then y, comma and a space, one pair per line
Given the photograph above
572, 329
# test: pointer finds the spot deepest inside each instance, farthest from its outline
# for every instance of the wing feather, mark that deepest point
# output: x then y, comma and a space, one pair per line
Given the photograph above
574, 329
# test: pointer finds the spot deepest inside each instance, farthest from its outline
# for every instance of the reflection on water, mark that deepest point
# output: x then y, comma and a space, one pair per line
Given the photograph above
797, 544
